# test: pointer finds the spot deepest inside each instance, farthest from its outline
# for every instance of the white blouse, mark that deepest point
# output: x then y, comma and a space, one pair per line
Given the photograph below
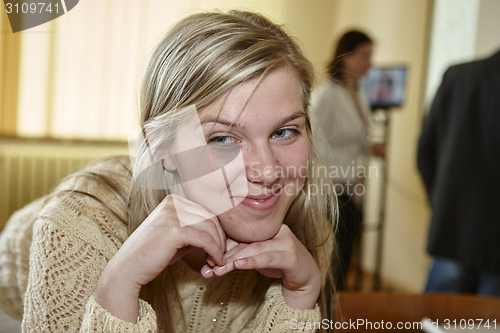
340, 132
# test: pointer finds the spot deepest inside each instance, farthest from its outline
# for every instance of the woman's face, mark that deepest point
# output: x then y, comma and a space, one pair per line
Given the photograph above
358, 62
258, 149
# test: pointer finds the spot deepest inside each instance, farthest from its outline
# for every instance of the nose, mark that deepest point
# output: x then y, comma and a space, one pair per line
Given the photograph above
262, 166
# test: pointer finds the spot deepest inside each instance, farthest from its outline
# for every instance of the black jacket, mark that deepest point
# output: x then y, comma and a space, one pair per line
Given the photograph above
459, 160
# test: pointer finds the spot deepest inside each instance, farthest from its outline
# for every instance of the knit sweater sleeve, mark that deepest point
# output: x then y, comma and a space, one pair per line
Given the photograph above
97, 320
275, 316
64, 271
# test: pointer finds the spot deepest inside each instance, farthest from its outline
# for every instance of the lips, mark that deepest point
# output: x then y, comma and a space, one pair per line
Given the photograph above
261, 202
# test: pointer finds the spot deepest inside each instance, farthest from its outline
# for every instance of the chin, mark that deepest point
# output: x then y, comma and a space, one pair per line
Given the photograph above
250, 231
246, 225
246, 238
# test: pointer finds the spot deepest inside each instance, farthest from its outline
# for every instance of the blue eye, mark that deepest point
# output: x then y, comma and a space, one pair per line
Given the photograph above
286, 133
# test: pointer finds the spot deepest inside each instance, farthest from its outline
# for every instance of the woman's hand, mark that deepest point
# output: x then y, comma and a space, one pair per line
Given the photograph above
283, 256
168, 233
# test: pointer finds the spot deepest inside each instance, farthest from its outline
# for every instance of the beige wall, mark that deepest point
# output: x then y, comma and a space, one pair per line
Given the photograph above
488, 29
311, 22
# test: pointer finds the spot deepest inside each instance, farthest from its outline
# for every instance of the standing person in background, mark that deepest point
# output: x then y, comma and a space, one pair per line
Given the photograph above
340, 113
459, 159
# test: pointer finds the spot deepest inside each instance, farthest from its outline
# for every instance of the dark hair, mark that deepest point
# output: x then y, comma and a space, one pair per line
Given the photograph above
348, 43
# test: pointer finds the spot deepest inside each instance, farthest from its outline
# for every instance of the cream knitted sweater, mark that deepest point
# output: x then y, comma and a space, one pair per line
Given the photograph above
53, 251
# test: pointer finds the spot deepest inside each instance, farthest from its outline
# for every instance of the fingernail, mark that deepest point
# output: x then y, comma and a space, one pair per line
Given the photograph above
240, 262
206, 271
218, 269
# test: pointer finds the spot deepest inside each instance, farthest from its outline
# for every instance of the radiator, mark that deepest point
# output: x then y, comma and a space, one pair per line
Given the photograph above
30, 169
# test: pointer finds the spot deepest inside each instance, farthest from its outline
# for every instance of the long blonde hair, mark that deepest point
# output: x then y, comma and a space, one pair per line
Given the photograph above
201, 58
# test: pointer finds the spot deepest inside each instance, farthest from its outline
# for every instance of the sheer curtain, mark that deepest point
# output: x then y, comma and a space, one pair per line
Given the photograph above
80, 74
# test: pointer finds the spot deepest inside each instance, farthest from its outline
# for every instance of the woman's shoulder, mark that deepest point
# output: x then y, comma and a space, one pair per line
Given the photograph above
107, 180
114, 169
91, 204
116, 163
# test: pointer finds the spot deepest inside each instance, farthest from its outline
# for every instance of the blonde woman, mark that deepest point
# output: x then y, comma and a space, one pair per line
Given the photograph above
213, 227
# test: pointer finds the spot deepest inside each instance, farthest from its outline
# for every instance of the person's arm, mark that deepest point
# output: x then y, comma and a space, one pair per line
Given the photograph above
66, 261
98, 319
15, 242
293, 300
64, 271
176, 227
275, 316
374, 144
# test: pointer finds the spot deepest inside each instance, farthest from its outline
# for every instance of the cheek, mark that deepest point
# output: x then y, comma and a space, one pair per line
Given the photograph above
296, 162
347, 63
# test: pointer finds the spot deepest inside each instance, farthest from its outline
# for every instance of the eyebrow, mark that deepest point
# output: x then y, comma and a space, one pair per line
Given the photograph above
294, 116
218, 120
